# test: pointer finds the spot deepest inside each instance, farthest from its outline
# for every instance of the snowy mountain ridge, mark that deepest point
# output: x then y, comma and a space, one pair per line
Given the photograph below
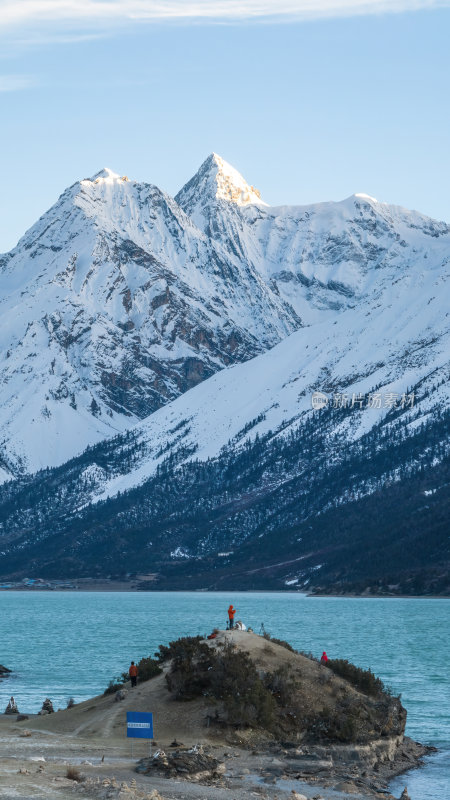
385, 362
120, 299
112, 304
319, 258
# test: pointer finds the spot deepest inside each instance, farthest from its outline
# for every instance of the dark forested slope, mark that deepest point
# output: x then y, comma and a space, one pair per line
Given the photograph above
295, 511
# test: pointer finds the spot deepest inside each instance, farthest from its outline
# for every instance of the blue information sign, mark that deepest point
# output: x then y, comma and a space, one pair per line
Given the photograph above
140, 724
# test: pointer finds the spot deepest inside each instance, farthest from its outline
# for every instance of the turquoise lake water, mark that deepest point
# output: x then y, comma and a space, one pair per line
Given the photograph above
70, 645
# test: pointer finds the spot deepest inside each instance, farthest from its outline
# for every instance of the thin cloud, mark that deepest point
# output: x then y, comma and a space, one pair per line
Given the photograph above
60, 38
91, 13
15, 83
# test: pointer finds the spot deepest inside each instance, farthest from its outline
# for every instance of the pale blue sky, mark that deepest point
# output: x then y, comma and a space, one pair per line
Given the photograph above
308, 105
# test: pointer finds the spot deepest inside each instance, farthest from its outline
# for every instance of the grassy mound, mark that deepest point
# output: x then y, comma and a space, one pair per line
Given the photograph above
352, 706
261, 685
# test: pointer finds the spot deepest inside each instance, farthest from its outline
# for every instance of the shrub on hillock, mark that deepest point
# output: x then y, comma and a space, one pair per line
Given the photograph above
235, 682
362, 679
113, 686
148, 668
188, 676
336, 725
249, 697
179, 649
284, 684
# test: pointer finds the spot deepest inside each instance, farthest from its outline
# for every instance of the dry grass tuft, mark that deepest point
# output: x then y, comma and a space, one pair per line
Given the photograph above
74, 774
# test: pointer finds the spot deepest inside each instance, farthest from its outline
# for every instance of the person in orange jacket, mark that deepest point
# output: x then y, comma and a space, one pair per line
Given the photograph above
133, 673
324, 658
231, 613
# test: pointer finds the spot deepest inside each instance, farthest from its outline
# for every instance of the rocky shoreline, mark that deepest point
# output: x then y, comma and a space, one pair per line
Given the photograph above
36, 764
341, 770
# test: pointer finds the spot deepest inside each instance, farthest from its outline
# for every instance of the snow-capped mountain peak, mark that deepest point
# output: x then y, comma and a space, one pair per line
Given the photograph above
112, 304
107, 175
216, 181
363, 196
229, 183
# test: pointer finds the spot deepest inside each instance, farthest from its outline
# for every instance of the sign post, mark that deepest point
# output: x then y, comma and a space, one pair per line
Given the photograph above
139, 726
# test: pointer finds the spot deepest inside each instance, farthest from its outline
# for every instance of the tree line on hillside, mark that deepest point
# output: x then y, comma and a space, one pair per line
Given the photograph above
266, 490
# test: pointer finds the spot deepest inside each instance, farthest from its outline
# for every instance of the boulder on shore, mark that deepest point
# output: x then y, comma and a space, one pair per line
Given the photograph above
191, 764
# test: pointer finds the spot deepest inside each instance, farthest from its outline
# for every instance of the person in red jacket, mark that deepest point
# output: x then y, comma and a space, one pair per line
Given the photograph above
324, 658
133, 673
231, 613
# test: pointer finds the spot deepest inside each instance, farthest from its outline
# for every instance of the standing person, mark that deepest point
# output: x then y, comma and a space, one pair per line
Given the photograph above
231, 613
133, 673
324, 658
